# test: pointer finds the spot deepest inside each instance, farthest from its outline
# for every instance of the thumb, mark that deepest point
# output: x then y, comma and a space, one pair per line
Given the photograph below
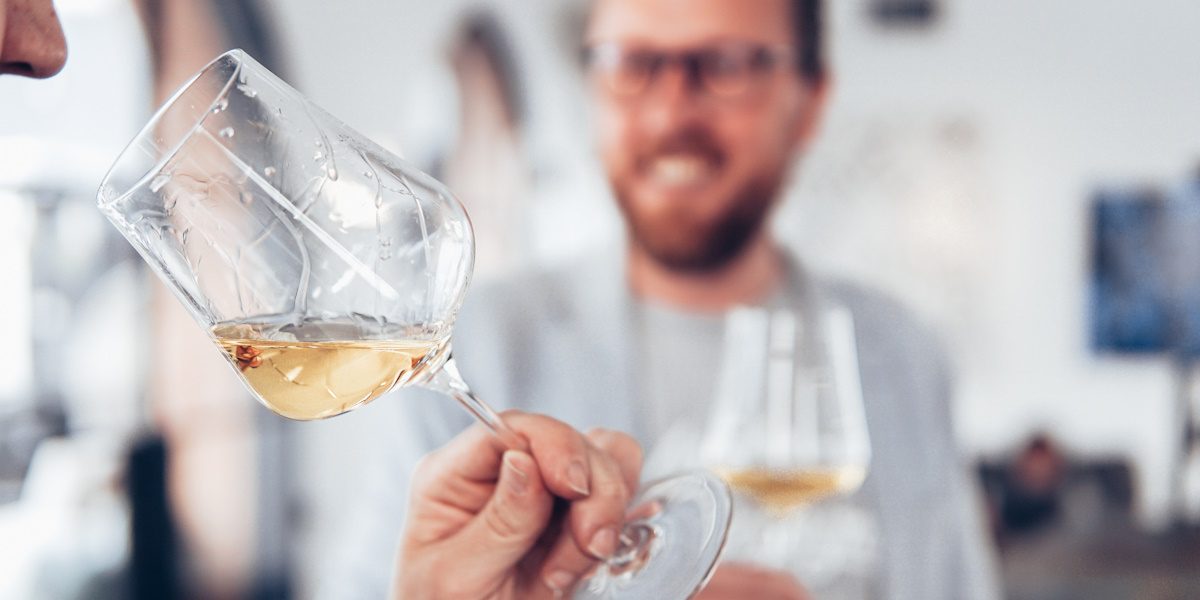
512, 520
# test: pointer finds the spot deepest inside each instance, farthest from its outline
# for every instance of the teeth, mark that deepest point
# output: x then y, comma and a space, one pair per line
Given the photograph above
679, 169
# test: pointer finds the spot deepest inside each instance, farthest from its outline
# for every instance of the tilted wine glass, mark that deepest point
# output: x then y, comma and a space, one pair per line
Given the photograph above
328, 272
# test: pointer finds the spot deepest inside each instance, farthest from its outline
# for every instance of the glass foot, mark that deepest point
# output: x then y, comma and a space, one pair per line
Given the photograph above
671, 543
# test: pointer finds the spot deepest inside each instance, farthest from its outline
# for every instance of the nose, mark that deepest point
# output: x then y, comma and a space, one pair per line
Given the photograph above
32, 43
674, 97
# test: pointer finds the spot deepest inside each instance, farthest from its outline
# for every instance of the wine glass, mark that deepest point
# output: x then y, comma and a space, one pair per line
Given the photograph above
328, 272
787, 432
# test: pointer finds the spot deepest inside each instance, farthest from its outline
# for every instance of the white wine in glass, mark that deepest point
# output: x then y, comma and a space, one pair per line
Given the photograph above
306, 380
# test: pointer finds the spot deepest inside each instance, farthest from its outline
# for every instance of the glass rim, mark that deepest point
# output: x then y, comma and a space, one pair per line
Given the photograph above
239, 58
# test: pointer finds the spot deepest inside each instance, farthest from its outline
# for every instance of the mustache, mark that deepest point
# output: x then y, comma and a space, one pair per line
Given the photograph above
693, 140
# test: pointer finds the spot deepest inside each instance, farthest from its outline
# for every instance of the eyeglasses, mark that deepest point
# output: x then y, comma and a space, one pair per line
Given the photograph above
722, 71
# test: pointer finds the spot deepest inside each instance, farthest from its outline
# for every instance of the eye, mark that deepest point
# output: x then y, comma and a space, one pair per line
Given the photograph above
638, 63
627, 72
761, 59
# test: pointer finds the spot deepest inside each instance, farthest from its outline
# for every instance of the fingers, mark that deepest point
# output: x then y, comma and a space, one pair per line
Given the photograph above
563, 455
597, 473
512, 520
474, 456
593, 524
595, 521
623, 449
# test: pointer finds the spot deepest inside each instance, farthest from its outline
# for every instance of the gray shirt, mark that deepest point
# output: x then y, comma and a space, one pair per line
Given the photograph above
680, 355
565, 343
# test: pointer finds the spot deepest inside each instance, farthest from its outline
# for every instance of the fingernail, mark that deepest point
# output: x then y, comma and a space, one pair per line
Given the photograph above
517, 478
577, 478
559, 582
604, 543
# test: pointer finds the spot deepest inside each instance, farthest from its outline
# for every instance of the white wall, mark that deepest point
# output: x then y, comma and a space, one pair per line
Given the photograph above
1017, 110
954, 170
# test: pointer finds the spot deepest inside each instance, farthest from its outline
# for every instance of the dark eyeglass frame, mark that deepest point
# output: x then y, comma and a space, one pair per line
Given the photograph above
725, 70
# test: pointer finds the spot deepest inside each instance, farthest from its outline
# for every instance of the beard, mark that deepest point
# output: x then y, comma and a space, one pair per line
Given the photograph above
682, 240
688, 246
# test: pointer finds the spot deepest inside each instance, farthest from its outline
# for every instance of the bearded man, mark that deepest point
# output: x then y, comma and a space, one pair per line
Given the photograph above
702, 107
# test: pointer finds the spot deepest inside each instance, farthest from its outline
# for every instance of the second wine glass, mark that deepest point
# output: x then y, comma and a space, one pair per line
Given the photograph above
787, 429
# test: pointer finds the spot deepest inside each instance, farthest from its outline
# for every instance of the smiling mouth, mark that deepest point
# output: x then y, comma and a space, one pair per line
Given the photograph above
681, 169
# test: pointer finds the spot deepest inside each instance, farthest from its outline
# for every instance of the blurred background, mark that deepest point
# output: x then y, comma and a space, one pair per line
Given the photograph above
1024, 174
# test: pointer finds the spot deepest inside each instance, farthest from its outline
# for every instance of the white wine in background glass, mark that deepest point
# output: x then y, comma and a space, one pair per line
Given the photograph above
780, 490
787, 429
328, 271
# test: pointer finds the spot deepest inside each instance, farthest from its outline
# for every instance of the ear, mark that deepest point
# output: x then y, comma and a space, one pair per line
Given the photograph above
812, 111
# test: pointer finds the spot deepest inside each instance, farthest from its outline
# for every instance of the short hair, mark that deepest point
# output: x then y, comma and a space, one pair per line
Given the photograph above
807, 31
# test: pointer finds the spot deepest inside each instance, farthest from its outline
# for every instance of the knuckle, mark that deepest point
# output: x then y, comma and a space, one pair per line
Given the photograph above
504, 523
613, 490
526, 422
450, 584
603, 438
423, 471
615, 442
631, 448
600, 432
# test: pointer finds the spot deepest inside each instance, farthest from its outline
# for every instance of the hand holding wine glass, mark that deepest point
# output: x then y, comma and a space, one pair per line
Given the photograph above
329, 272
482, 523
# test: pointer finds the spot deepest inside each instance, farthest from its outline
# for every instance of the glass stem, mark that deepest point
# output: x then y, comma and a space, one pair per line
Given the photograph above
449, 381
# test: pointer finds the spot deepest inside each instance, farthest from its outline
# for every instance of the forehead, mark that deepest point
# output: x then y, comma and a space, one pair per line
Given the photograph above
690, 22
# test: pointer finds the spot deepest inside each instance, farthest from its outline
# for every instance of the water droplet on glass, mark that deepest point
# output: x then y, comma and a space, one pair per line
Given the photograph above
221, 105
247, 198
385, 241
368, 175
279, 110
269, 171
332, 172
227, 132
319, 156
158, 182
385, 254
247, 90
317, 142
